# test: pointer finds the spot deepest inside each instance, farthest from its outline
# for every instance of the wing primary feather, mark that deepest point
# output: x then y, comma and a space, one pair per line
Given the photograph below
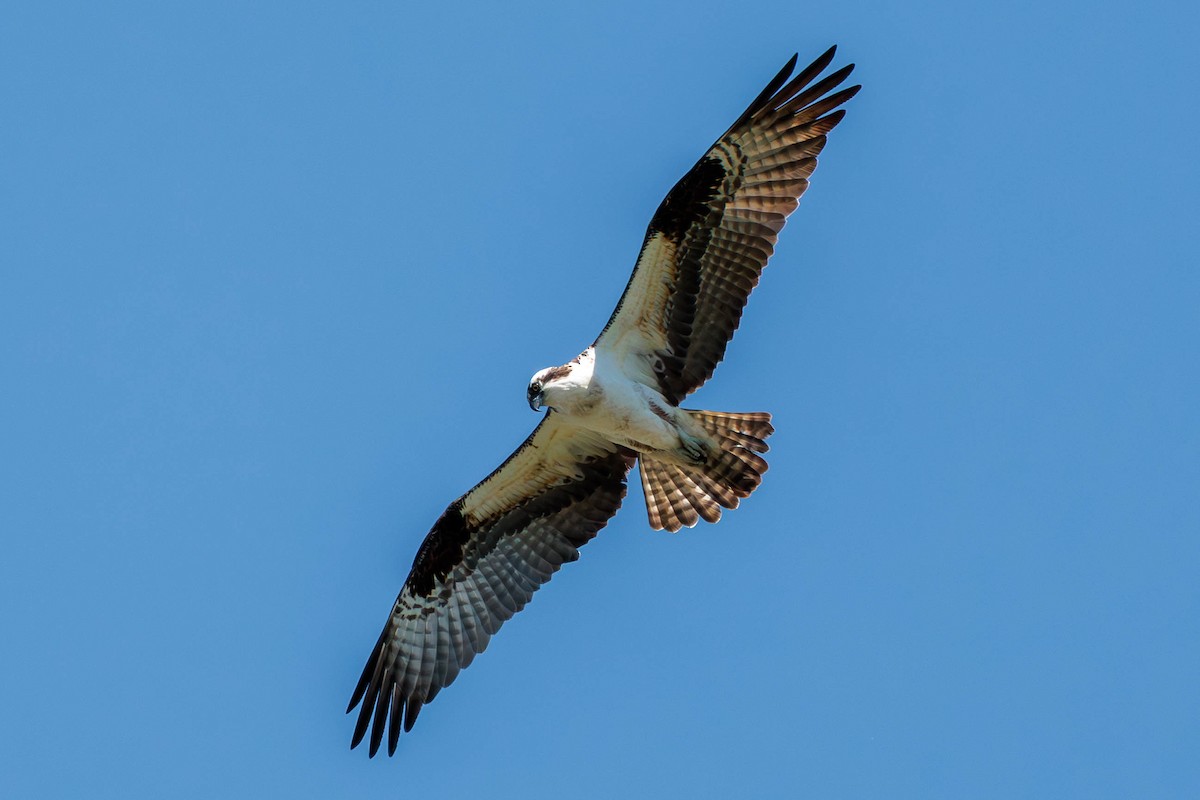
364, 716
768, 92
805, 76
410, 713
394, 722
815, 91
360, 728
382, 705
368, 671
380, 672
833, 101
831, 120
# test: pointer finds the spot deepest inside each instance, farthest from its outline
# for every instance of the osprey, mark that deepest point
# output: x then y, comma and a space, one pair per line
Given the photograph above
613, 406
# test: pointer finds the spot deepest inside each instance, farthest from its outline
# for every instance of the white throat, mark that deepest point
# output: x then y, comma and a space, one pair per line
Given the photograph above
571, 388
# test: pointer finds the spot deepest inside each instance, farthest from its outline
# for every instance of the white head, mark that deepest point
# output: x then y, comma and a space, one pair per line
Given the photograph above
546, 385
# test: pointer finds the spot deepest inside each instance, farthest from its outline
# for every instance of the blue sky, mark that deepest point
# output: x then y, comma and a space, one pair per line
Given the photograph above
275, 277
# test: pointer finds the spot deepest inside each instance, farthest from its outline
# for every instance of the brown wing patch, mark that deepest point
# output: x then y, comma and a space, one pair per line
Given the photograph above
441, 551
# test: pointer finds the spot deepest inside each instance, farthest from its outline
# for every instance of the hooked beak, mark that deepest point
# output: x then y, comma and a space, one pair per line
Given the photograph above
535, 401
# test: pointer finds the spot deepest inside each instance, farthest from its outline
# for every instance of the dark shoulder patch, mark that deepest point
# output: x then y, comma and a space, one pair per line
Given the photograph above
688, 202
555, 373
441, 551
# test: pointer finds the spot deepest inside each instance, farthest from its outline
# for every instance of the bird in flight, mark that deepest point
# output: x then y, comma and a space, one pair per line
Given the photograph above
613, 406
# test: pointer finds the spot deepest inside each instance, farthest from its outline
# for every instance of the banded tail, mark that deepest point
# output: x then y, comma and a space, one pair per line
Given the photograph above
678, 496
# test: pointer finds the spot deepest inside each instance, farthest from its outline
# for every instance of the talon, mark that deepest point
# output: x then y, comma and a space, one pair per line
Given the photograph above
695, 450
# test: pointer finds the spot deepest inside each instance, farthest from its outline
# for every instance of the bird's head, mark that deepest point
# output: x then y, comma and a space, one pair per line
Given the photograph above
545, 385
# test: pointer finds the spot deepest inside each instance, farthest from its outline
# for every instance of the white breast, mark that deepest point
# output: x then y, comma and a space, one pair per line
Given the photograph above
625, 409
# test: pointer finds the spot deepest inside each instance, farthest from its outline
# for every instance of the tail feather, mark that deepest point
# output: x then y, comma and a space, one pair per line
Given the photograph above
753, 425
724, 495
673, 500
752, 443
679, 496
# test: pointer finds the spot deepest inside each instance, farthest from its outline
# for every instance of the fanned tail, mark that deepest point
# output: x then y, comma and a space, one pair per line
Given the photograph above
679, 496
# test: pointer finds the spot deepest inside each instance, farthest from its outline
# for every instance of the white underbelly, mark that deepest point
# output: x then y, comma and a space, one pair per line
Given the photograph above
633, 415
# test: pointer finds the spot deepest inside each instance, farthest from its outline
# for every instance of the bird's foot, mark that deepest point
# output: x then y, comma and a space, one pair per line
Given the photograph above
695, 450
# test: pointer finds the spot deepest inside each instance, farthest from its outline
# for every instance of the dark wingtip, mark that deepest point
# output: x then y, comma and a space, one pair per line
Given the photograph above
364, 718
364, 680
378, 724
768, 91
779, 80
394, 729
359, 691
410, 713
360, 730
836, 78
824, 59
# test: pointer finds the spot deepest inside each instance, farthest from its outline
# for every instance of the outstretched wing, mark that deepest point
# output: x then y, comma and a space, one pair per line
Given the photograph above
711, 237
480, 564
